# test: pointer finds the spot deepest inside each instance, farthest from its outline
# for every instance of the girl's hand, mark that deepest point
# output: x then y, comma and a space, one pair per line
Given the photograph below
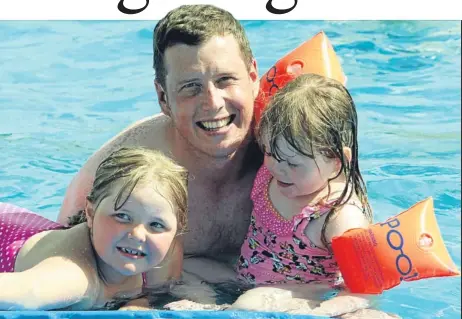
342, 304
368, 314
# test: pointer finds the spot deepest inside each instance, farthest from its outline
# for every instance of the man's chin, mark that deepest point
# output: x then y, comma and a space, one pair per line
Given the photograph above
225, 149
222, 153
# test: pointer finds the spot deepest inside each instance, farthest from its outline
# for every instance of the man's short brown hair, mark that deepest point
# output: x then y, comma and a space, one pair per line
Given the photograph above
194, 25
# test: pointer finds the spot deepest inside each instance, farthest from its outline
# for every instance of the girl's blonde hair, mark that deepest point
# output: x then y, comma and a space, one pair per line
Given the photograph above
316, 114
127, 167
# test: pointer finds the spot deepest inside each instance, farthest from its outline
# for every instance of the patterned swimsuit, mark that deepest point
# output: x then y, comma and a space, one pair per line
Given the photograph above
276, 250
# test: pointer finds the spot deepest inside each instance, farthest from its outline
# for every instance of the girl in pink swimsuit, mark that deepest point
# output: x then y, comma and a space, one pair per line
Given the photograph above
110, 252
310, 187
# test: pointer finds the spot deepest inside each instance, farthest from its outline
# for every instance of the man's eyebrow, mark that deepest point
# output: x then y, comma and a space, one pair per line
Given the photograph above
187, 81
227, 72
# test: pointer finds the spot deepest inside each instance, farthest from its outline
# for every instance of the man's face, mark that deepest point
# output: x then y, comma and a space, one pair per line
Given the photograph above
210, 94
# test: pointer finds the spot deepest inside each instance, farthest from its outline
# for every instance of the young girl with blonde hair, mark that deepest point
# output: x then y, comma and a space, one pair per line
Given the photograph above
133, 214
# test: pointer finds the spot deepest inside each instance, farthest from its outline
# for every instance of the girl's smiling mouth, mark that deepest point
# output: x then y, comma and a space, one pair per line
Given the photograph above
131, 253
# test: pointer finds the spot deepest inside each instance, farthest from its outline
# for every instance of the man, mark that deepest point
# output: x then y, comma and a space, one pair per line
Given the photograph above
206, 82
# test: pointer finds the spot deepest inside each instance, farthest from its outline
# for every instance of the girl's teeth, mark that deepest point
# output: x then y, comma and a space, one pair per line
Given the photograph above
131, 251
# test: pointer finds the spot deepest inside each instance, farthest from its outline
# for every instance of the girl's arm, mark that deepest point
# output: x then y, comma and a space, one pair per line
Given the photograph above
349, 217
54, 283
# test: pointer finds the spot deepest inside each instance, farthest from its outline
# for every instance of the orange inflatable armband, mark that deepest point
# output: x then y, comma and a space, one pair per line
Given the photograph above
313, 56
406, 247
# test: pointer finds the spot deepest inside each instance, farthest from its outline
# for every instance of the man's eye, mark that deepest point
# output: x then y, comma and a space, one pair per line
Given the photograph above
190, 89
226, 79
190, 86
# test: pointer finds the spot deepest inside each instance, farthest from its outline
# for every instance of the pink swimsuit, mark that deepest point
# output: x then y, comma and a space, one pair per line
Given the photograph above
16, 226
276, 250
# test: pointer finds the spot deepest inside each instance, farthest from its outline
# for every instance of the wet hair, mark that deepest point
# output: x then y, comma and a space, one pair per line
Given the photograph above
194, 25
126, 168
317, 115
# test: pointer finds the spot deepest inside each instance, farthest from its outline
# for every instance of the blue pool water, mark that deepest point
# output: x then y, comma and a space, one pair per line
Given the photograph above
67, 87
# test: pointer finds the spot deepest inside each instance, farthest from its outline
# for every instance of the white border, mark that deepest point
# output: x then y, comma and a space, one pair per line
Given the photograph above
241, 9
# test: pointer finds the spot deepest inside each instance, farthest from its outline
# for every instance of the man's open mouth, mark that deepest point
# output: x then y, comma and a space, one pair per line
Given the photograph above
216, 124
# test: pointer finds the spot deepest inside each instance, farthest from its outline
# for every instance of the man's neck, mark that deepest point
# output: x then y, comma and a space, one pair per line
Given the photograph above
206, 167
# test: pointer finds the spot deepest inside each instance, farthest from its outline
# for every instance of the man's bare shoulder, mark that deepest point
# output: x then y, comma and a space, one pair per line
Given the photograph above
150, 132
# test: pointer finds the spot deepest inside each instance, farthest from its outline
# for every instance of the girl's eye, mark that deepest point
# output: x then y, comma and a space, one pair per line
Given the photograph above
122, 217
292, 165
157, 225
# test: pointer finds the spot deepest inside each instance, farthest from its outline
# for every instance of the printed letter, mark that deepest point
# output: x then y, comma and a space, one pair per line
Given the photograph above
270, 8
125, 10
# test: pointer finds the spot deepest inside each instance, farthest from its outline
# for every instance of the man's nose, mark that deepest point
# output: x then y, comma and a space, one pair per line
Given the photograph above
213, 99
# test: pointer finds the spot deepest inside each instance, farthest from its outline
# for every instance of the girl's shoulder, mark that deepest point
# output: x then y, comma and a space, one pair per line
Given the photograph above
70, 244
350, 215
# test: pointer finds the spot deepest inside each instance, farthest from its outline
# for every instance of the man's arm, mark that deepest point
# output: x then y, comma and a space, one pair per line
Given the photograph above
78, 189
81, 184
137, 134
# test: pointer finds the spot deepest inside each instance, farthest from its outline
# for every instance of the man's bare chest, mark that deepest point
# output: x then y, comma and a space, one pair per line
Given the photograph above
218, 218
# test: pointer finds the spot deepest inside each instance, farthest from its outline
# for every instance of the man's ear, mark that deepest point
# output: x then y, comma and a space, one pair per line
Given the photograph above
162, 97
89, 213
253, 73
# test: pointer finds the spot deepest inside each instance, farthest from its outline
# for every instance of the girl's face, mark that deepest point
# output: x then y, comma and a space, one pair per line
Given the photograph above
136, 237
298, 175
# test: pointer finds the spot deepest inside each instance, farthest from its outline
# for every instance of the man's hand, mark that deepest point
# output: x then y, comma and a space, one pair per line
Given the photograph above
191, 305
141, 304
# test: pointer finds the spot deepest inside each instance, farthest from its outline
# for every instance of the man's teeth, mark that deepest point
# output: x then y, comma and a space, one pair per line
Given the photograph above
212, 125
132, 251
